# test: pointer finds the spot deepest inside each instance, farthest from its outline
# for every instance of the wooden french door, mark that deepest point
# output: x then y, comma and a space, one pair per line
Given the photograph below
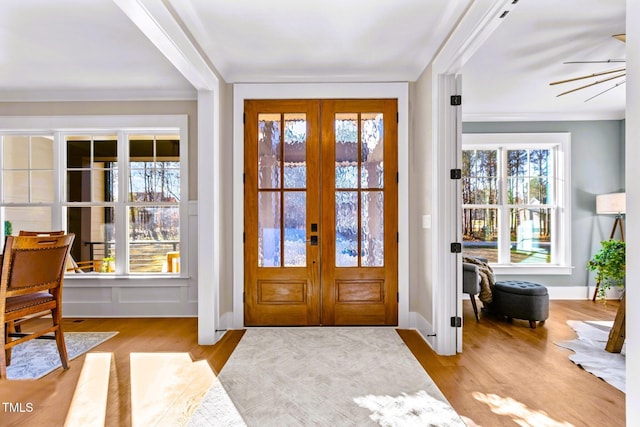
321, 217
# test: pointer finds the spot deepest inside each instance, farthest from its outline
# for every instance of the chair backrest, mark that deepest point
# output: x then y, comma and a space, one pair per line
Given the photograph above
40, 233
34, 263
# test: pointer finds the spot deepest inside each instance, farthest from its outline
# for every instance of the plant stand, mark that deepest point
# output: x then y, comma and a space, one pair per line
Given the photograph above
616, 335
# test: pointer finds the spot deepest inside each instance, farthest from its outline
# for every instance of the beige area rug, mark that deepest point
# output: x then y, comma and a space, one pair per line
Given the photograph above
590, 354
327, 377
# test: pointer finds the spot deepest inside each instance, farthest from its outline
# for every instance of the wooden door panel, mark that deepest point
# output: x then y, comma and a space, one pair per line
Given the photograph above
280, 284
357, 288
359, 291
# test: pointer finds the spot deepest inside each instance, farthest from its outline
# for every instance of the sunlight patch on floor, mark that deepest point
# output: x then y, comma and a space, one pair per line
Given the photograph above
89, 403
521, 415
418, 409
166, 388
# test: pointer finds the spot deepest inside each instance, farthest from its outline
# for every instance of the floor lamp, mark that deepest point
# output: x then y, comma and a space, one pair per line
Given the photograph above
612, 204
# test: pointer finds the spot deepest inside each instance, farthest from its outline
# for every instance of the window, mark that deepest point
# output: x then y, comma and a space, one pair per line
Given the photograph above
515, 202
27, 182
120, 191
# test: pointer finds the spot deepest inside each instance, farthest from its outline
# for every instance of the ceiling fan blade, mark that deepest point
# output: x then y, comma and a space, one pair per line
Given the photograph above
592, 84
604, 61
602, 73
621, 37
606, 90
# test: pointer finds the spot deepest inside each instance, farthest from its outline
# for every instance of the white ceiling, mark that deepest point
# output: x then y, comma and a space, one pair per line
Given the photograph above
99, 49
508, 77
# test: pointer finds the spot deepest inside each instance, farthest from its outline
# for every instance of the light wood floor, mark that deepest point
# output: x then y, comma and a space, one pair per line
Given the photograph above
508, 374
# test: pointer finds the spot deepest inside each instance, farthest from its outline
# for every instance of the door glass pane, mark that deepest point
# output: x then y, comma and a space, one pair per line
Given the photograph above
372, 224
295, 229
295, 151
269, 236
346, 150
480, 233
372, 175
346, 229
269, 155
530, 235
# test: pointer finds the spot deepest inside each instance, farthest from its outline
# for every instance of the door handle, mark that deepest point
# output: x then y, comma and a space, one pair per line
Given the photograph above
313, 240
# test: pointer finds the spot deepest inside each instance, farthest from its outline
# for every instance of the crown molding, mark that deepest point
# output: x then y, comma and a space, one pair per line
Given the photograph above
97, 95
551, 116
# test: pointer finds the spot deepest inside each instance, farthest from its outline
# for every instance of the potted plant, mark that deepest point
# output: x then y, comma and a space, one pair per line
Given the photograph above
609, 266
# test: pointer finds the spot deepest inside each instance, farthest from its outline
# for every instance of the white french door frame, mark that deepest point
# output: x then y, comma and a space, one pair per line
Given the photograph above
479, 22
399, 91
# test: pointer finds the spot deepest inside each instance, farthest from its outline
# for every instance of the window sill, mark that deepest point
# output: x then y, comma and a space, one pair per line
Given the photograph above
531, 270
112, 280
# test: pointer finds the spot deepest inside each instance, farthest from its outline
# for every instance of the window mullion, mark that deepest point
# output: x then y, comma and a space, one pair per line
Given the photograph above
58, 211
504, 237
121, 219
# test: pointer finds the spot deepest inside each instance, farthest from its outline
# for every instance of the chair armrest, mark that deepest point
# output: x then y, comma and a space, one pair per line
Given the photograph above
470, 278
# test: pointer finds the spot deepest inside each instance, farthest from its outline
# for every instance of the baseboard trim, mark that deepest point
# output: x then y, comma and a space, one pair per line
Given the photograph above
424, 328
579, 292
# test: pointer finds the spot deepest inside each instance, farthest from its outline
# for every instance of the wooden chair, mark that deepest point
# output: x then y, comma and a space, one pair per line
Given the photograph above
72, 265
31, 286
40, 233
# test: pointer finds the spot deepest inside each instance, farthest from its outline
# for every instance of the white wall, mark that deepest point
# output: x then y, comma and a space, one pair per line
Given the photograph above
420, 204
633, 211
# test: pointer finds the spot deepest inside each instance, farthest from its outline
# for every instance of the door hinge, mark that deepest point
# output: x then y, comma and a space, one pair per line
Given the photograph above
456, 322
456, 100
397, 296
397, 177
456, 248
244, 237
244, 118
244, 178
243, 297
398, 237
397, 117
455, 173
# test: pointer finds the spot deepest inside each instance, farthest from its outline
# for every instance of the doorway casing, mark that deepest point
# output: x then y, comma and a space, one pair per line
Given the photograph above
399, 91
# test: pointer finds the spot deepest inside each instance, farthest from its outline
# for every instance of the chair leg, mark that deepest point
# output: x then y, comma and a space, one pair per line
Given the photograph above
62, 347
475, 307
9, 328
3, 353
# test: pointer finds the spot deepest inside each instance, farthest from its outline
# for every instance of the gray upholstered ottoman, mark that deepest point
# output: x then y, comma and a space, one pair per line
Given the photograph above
520, 300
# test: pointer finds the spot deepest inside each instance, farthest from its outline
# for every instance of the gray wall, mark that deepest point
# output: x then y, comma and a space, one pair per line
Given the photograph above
597, 166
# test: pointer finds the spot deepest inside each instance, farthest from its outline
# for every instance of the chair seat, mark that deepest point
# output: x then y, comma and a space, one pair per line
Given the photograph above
26, 301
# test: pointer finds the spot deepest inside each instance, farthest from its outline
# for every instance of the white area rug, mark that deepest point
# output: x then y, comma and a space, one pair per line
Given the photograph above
330, 377
36, 358
590, 353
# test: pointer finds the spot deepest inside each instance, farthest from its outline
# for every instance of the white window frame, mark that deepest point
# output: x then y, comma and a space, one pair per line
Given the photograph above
560, 143
122, 126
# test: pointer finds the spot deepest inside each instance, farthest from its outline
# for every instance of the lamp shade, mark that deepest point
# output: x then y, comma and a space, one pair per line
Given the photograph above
613, 203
